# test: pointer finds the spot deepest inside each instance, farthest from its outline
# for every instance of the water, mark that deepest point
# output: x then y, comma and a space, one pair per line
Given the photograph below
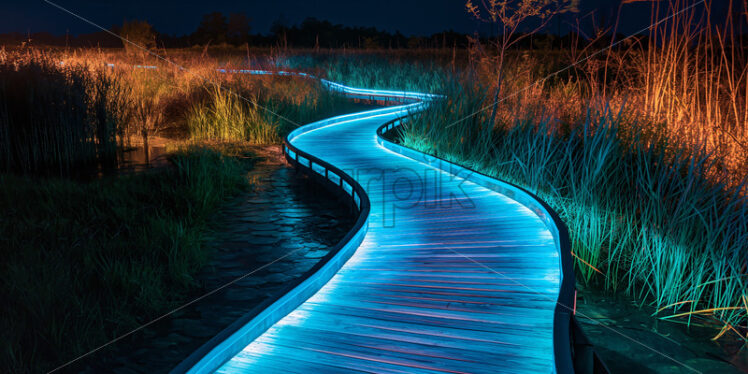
629, 339
141, 158
284, 216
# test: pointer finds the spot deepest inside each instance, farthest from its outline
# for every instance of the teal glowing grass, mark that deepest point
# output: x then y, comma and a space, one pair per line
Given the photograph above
450, 274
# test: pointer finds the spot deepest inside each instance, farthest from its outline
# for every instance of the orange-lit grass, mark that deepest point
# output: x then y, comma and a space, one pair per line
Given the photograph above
657, 218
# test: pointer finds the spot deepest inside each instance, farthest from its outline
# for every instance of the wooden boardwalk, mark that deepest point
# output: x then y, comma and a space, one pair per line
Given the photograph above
451, 276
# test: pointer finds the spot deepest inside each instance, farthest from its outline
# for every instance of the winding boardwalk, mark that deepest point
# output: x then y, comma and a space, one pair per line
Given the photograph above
451, 277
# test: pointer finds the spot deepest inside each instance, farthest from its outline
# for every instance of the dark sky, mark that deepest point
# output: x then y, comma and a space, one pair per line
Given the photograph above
421, 17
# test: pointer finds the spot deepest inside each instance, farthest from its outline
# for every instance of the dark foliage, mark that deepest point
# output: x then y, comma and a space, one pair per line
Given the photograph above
54, 119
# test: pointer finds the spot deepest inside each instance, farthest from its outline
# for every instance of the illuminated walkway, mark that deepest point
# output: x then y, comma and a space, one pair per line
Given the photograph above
451, 277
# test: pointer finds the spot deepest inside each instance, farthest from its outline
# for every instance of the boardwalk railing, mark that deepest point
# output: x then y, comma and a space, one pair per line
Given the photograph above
248, 327
571, 349
240, 333
222, 347
563, 313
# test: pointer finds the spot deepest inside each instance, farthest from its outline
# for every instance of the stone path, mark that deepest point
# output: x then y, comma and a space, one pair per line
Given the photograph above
284, 215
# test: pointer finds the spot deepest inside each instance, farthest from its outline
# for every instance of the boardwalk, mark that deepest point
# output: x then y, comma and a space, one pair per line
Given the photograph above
451, 277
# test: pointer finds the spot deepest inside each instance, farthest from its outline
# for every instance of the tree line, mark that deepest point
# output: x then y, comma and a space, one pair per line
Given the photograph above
216, 29
235, 30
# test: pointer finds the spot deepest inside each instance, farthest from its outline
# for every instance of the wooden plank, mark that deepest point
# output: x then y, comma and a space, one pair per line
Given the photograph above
451, 277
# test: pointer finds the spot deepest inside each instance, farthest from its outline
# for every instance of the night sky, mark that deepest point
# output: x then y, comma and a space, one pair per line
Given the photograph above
410, 17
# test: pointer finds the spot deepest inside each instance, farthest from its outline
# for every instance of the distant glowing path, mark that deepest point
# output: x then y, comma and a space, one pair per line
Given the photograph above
451, 274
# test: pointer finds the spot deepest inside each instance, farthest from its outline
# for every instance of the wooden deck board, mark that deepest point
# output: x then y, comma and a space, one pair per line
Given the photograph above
412, 298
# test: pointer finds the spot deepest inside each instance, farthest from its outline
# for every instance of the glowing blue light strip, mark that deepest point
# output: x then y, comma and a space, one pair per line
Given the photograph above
273, 315
226, 349
307, 312
259, 324
381, 94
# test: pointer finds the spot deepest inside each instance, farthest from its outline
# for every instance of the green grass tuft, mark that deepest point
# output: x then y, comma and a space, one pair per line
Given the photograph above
86, 262
640, 210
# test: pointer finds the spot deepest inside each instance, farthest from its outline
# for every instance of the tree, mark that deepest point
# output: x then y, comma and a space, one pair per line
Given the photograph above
508, 16
212, 29
238, 29
148, 110
139, 33
371, 42
416, 42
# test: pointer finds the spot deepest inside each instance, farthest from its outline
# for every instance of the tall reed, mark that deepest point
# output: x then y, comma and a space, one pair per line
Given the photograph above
228, 117
645, 215
690, 76
89, 261
261, 110
54, 119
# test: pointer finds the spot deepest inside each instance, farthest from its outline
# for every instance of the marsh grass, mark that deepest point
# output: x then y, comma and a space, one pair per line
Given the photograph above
86, 262
641, 149
54, 119
263, 112
645, 215
404, 71
227, 117
687, 79
68, 110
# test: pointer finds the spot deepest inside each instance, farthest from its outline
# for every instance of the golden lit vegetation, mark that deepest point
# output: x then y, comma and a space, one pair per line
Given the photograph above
84, 261
117, 99
641, 149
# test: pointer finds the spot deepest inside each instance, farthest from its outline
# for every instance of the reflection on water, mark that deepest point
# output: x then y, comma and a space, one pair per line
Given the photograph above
141, 158
269, 235
629, 339
129, 160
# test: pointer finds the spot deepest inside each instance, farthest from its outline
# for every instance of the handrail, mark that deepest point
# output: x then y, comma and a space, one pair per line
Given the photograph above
565, 306
265, 314
250, 325
359, 198
270, 311
563, 337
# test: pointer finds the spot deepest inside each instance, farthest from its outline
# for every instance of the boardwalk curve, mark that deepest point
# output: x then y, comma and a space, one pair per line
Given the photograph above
447, 270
